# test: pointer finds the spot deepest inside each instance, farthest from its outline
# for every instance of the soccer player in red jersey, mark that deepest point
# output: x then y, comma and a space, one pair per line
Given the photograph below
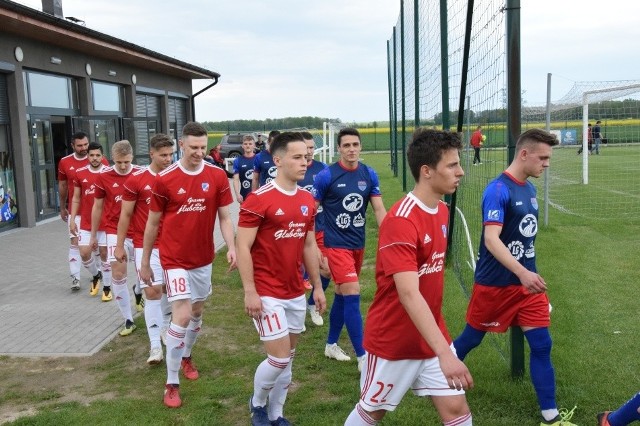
107, 201
83, 192
187, 196
133, 216
406, 338
276, 227
66, 172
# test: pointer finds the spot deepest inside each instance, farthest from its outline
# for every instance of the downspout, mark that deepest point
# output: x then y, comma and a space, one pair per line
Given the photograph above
193, 97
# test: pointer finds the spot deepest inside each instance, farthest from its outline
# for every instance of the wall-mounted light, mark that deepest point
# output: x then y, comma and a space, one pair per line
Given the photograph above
112, 73
19, 55
55, 60
134, 79
87, 68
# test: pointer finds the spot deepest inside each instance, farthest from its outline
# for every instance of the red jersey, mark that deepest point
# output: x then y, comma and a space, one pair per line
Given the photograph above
189, 202
110, 186
137, 188
67, 168
412, 238
85, 179
283, 219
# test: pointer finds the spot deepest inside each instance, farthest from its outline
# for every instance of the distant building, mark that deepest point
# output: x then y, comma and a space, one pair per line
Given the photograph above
58, 77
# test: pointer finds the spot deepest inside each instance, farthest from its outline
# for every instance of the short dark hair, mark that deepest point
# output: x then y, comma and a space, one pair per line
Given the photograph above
427, 146
193, 129
160, 140
93, 146
308, 136
535, 136
347, 131
77, 136
273, 134
281, 142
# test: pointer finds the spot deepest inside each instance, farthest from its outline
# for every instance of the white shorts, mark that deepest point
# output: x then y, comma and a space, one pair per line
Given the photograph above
112, 239
77, 221
154, 262
84, 238
383, 383
194, 284
281, 317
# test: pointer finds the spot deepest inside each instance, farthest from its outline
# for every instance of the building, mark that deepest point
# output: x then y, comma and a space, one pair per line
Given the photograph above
58, 77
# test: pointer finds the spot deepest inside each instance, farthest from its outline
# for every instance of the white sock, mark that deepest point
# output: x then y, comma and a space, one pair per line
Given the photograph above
464, 420
175, 350
90, 265
106, 274
265, 378
153, 318
74, 262
121, 292
193, 329
166, 310
359, 417
550, 414
278, 395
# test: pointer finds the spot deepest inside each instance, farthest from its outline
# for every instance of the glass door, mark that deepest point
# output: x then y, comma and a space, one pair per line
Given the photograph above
105, 130
43, 168
139, 132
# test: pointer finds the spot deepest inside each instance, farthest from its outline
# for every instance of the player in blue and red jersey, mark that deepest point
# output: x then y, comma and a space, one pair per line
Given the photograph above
313, 168
243, 169
408, 345
276, 227
264, 169
508, 291
344, 190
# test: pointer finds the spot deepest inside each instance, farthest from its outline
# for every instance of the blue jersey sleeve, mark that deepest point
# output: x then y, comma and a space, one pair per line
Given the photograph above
321, 184
494, 202
375, 183
236, 166
257, 161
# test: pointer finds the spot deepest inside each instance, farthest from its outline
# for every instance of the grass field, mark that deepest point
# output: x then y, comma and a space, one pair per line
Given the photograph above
589, 265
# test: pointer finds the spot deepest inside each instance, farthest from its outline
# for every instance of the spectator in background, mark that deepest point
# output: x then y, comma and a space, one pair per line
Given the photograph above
216, 159
476, 143
589, 140
597, 137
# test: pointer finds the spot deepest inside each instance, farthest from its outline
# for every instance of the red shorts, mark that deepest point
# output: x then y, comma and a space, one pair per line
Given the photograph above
496, 309
345, 264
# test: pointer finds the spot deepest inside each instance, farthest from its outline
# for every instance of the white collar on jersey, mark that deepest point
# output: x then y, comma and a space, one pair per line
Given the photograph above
284, 191
422, 205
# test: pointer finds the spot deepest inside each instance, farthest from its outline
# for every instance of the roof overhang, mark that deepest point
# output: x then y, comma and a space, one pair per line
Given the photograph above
33, 24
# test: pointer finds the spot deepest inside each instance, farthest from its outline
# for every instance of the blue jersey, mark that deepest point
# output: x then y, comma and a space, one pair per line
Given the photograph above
344, 195
312, 171
307, 183
265, 167
243, 167
513, 205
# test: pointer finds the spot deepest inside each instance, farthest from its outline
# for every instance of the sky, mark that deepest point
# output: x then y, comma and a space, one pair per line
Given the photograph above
290, 58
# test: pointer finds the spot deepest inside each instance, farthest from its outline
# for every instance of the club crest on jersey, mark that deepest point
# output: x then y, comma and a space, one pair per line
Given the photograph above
205, 186
444, 230
304, 210
352, 202
362, 185
534, 203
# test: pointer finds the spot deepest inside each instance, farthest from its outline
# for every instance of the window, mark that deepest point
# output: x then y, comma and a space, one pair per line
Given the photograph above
106, 97
52, 91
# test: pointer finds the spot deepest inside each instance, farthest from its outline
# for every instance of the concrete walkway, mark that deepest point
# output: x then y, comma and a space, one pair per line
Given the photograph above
39, 314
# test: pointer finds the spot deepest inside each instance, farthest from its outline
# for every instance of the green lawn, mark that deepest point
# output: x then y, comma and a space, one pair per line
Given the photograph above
591, 270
